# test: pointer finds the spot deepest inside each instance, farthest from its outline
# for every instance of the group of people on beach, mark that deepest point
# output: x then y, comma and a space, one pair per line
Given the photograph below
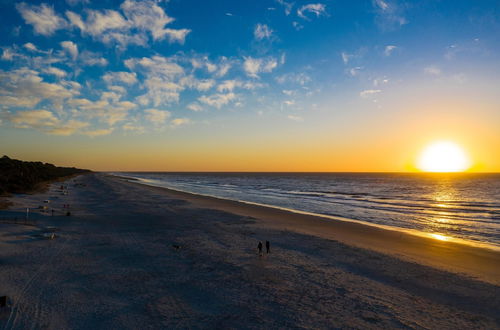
268, 247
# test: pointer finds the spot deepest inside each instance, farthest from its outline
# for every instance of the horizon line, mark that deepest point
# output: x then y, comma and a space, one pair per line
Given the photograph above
325, 172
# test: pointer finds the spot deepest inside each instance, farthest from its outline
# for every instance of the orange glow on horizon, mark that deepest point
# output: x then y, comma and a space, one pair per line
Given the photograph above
310, 146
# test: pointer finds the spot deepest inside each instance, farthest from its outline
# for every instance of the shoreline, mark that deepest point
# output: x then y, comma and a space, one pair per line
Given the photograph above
476, 261
410, 231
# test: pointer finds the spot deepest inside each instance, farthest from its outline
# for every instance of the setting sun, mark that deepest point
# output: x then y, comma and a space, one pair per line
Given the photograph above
443, 156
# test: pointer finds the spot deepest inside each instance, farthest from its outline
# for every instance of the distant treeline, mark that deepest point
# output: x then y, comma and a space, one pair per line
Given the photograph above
17, 176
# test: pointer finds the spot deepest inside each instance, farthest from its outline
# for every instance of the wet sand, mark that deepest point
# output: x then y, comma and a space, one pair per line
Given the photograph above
114, 264
478, 262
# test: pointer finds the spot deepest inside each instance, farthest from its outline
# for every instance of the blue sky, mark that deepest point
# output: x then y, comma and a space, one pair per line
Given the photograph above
83, 69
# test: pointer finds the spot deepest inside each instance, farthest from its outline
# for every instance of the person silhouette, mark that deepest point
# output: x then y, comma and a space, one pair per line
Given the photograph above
268, 247
259, 246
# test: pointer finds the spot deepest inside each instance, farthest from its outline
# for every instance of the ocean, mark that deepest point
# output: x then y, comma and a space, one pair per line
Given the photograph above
447, 206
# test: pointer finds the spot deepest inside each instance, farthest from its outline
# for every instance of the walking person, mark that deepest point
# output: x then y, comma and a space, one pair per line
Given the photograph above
260, 248
268, 247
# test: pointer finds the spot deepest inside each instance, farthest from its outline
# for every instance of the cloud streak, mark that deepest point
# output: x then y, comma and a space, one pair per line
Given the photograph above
317, 9
369, 93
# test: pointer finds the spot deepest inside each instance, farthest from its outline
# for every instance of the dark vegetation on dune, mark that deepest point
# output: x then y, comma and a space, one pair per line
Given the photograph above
17, 176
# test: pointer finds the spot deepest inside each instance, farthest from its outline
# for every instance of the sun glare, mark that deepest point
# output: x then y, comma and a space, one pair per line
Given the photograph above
439, 237
443, 156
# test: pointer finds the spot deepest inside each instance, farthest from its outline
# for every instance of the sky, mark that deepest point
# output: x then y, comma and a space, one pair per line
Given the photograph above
267, 85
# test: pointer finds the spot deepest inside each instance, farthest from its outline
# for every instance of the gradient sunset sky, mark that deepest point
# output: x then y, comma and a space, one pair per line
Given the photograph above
186, 85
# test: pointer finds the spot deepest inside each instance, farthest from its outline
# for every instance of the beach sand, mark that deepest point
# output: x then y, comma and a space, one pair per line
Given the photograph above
113, 264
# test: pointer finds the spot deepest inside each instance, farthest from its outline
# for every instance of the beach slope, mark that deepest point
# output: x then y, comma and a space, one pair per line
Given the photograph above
132, 256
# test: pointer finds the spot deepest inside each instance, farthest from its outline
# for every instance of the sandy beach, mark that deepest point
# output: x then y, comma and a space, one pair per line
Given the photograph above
133, 256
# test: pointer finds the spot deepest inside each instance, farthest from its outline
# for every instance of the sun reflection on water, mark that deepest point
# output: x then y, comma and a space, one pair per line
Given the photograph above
440, 237
442, 205
443, 196
441, 220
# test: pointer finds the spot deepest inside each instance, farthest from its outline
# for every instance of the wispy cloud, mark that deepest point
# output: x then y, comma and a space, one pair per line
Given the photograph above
380, 81
297, 25
202, 62
160, 91
345, 57
131, 127
287, 6
317, 9
128, 26
89, 67
107, 109
381, 4
71, 48
10, 53
353, 72
300, 78
180, 121
230, 85
148, 16
262, 31
55, 72
472, 47
34, 119
46, 121
156, 65
92, 59
128, 78
355, 56
217, 100
162, 79
31, 47
157, 117
194, 107
99, 132
295, 118
389, 49
369, 93
459, 78
68, 128
25, 88
432, 70
389, 14
43, 18
254, 66
198, 84
223, 67
107, 26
